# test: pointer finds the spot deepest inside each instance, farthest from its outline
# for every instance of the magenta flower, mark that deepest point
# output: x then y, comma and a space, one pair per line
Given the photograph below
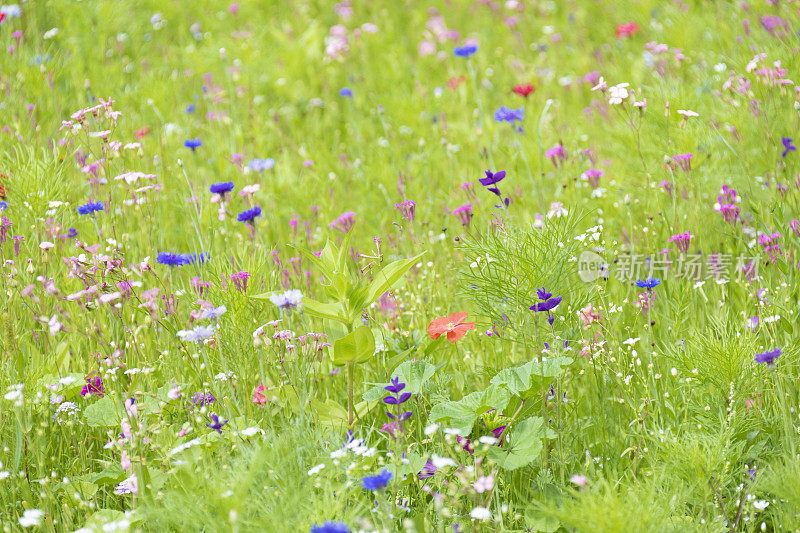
343, 222
464, 214
681, 240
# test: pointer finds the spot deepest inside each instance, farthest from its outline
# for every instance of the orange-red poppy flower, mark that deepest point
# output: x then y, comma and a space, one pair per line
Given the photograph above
453, 325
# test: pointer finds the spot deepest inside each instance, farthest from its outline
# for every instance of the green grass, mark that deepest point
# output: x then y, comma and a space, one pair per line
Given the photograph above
662, 407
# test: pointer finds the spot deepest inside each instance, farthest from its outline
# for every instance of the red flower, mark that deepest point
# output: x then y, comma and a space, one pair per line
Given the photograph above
258, 395
524, 89
626, 29
142, 132
453, 83
453, 325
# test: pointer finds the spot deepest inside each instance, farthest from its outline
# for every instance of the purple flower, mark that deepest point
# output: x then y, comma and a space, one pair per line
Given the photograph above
260, 165
649, 283
428, 470
377, 482
396, 386
217, 424
194, 144
505, 114
546, 306
249, 215
90, 208
330, 527
543, 294
346, 92
221, 188
492, 178
395, 389
788, 146
94, 386
465, 51
200, 399
769, 357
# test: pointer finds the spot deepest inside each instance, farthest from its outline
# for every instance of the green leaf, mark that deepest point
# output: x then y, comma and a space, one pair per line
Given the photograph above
388, 276
523, 446
330, 311
461, 415
357, 347
103, 413
523, 380
415, 374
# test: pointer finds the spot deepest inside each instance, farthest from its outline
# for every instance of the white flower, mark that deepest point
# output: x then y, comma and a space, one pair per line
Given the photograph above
557, 210
49, 34
13, 395
186, 445
30, 518
481, 513
618, 93
441, 462
760, 504
485, 439
315, 470
686, 113
249, 432
4, 474
197, 334
288, 300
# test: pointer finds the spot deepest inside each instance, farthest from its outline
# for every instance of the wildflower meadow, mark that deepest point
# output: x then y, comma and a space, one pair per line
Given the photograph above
371, 266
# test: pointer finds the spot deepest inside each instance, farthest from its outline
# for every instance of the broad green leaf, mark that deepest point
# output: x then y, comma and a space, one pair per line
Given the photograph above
522, 380
415, 374
323, 310
461, 415
103, 412
344, 252
523, 446
358, 346
388, 276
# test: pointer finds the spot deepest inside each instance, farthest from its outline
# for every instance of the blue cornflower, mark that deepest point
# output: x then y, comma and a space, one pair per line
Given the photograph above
90, 207
194, 144
217, 424
174, 260
259, 165
377, 482
505, 114
3, 206
221, 188
330, 527
650, 283
248, 215
769, 357
465, 51
190, 108
72, 233
346, 92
